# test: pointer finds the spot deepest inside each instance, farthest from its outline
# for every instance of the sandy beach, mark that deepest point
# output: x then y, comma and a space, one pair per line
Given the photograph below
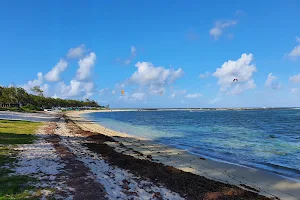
74, 158
255, 180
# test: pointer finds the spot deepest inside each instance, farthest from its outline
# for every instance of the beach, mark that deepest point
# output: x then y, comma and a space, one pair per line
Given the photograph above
268, 184
76, 158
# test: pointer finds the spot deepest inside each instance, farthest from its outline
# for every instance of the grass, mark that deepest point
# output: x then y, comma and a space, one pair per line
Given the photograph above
11, 134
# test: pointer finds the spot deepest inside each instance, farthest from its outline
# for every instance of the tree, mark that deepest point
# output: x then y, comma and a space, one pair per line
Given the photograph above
14, 95
37, 90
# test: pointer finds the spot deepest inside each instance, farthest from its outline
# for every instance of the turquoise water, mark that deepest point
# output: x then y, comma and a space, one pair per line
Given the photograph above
265, 139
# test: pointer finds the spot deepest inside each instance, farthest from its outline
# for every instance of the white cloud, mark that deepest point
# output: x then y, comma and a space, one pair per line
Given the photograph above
242, 69
77, 52
45, 88
54, 74
72, 90
177, 93
35, 82
76, 89
85, 66
295, 52
298, 39
113, 92
270, 79
194, 95
87, 95
89, 87
240, 88
156, 89
295, 78
219, 27
270, 82
215, 100
55, 96
148, 74
205, 75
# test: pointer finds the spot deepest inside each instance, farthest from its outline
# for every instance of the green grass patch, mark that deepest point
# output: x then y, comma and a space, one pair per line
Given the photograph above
17, 132
18, 127
13, 133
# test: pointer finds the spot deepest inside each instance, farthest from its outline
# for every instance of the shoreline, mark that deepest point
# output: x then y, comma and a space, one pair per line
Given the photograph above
268, 183
252, 167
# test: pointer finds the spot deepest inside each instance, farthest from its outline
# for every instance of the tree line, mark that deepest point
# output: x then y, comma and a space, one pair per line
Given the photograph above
37, 101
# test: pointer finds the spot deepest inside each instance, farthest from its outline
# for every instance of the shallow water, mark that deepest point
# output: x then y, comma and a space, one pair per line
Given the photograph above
265, 139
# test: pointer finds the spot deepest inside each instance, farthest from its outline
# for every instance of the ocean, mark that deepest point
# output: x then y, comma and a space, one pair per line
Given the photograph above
264, 139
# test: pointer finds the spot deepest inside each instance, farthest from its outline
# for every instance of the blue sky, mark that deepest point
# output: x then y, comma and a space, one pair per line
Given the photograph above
161, 53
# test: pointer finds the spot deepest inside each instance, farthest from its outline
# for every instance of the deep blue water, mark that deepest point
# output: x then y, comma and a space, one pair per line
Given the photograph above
266, 139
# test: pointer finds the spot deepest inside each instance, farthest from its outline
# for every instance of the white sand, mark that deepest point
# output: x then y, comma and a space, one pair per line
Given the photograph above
111, 177
39, 160
269, 184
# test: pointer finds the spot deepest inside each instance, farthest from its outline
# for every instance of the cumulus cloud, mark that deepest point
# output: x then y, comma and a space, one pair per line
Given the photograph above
295, 52
270, 82
88, 87
194, 95
148, 74
76, 89
178, 93
219, 27
205, 75
242, 69
77, 52
35, 82
85, 66
54, 74
72, 90
295, 78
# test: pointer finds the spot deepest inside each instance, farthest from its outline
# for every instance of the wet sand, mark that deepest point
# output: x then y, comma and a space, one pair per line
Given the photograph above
263, 182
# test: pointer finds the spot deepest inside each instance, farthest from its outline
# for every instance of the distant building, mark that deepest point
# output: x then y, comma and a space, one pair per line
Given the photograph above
9, 105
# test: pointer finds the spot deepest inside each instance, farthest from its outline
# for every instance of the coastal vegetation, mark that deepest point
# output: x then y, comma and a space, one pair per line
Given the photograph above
13, 133
18, 99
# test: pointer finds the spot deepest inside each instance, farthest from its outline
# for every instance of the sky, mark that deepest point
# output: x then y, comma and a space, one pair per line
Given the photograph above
160, 53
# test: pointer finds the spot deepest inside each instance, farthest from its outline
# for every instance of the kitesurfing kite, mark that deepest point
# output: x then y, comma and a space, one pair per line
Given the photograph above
122, 91
234, 80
